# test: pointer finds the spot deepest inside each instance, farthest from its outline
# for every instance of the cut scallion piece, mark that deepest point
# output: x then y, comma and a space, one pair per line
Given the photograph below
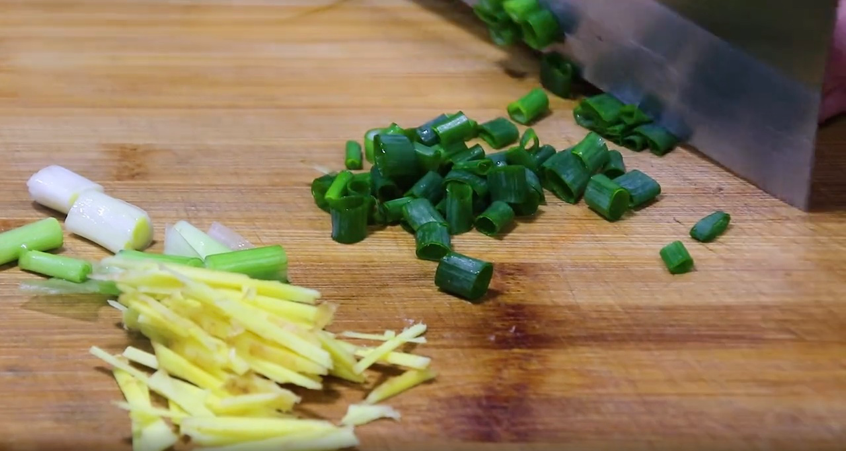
499, 132
508, 184
425, 134
495, 218
433, 241
59, 287
59, 266
382, 187
635, 142
544, 153
540, 29
393, 209
109, 222
593, 152
710, 227
428, 158
43, 235
530, 140
338, 188
265, 263
519, 10
615, 166
676, 257
353, 155
606, 197
478, 167
474, 153
458, 128
419, 212
641, 187
598, 112
505, 34
479, 184
535, 185
430, 187
319, 187
174, 259
632, 116
491, 12
521, 157
499, 158
480, 204
556, 74
441, 206
660, 141
566, 176
349, 221
57, 187
395, 157
463, 276
458, 208
369, 136
359, 184
448, 150
529, 107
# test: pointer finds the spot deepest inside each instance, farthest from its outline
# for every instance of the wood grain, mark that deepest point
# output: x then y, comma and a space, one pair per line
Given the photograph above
216, 110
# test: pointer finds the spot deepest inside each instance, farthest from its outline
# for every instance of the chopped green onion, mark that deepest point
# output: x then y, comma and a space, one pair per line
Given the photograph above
441, 206
430, 187
393, 209
174, 259
395, 157
491, 12
508, 184
593, 152
615, 166
463, 276
200, 241
319, 187
369, 136
607, 198
479, 185
477, 152
556, 74
535, 184
458, 128
265, 263
499, 158
43, 235
529, 206
382, 187
710, 227
529, 107
395, 129
598, 112
109, 222
635, 142
338, 188
432, 241
353, 155
495, 218
505, 34
425, 134
521, 157
540, 29
53, 287
57, 187
459, 207
660, 141
480, 204
376, 214
448, 150
359, 184
519, 10
632, 116
676, 257
499, 132
478, 167
566, 176
349, 221
641, 187
67, 268
428, 158
419, 212
529, 136
544, 153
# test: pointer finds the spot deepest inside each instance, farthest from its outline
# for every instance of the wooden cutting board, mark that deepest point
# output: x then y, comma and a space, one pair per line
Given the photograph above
212, 110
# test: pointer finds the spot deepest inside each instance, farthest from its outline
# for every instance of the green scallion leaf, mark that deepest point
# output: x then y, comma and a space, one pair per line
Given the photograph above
593, 152
491, 12
382, 187
615, 166
369, 154
710, 227
478, 167
463, 276
641, 187
606, 197
441, 207
496, 218
557, 74
544, 153
349, 221
419, 212
660, 141
428, 158
480, 204
499, 132
535, 185
529, 107
59, 266
676, 257
393, 209
505, 34
474, 153
353, 155
432, 241
519, 156
519, 10
499, 158
530, 140
425, 134
319, 187
635, 142
566, 176
265, 263
540, 29
449, 150
458, 208
395, 157
508, 184
131, 254
599, 112
377, 213
479, 184
632, 116
458, 128
430, 187
359, 185
338, 188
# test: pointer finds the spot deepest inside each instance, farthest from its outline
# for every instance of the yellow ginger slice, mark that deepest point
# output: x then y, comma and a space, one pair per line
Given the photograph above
413, 361
339, 438
389, 334
241, 404
181, 367
250, 344
253, 428
399, 384
342, 359
359, 414
388, 346
282, 375
149, 431
162, 384
141, 357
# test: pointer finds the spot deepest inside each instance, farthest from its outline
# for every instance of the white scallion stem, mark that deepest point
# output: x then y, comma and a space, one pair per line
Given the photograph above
202, 243
229, 237
109, 222
175, 244
58, 188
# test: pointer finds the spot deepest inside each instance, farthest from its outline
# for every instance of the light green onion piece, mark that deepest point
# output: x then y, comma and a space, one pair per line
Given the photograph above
265, 263
458, 128
540, 29
479, 184
319, 187
359, 185
606, 197
676, 257
59, 266
660, 141
641, 187
476, 152
530, 140
518, 156
382, 187
508, 184
593, 151
615, 166
349, 220
369, 136
519, 10
353, 155
43, 235
432, 241
529, 107
463, 276
395, 157
477, 167
430, 187
459, 207
174, 259
566, 176
710, 227
544, 153
499, 132
393, 209
419, 212
338, 189
428, 158
498, 216
203, 244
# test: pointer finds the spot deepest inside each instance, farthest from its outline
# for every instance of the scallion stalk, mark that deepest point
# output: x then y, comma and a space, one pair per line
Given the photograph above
499, 158
369, 136
635, 142
473, 153
495, 218
425, 134
57, 188
432, 241
478, 167
359, 185
393, 209
566, 176
641, 187
607, 198
459, 207
660, 141
109, 222
508, 184
353, 155
395, 157
499, 132
458, 128
530, 141
529, 107
599, 112
428, 158
676, 257
382, 187
540, 29
632, 116
479, 184
319, 187
430, 187
463, 276
615, 166
419, 212
593, 151
544, 153
174, 259
521, 157
556, 74
710, 227
349, 221
519, 10
43, 235
59, 266
265, 263
338, 188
